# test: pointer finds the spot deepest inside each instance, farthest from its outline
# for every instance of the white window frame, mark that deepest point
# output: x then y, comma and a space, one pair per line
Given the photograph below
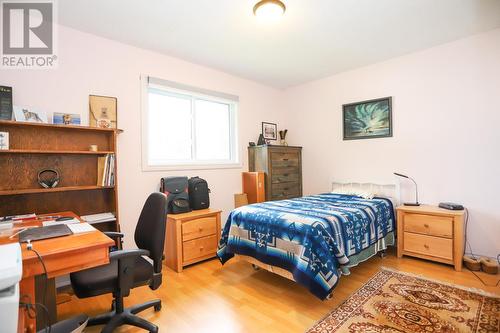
179, 90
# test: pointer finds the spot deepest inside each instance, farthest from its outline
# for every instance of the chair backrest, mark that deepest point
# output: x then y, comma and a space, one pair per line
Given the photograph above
150, 229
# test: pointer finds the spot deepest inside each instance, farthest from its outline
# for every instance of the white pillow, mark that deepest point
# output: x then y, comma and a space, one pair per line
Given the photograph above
353, 191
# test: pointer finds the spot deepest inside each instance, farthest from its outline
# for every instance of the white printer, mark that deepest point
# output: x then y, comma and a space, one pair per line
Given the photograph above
11, 271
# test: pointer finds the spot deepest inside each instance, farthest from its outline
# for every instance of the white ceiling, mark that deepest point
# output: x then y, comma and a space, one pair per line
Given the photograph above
314, 39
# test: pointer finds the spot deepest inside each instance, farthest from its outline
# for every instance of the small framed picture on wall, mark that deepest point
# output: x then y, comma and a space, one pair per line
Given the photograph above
269, 131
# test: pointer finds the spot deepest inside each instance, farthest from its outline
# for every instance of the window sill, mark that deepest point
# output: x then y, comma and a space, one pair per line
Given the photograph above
150, 168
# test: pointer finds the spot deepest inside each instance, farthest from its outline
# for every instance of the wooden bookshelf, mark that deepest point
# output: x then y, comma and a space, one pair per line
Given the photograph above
34, 147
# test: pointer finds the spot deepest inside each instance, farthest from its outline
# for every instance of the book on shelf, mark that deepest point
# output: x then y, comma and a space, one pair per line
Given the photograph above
5, 103
106, 170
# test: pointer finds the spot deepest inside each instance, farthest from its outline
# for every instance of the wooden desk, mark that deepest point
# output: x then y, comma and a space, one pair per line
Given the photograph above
61, 256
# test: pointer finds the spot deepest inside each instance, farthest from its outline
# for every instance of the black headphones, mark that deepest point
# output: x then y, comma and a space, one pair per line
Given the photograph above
48, 181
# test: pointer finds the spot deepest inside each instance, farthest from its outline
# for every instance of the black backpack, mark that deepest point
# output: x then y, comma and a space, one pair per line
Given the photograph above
176, 189
198, 193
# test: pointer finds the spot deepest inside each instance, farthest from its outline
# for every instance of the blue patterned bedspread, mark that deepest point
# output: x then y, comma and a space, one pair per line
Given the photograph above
311, 237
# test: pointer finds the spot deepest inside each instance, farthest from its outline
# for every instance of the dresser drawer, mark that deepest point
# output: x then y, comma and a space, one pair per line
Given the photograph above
440, 226
199, 247
284, 160
199, 228
283, 194
428, 245
285, 190
285, 177
286, 171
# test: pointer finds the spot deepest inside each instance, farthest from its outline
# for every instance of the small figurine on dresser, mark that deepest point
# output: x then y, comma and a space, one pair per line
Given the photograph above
283, 137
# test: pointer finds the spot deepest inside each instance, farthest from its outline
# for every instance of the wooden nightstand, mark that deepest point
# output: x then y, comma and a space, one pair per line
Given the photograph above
432, 233
191, 237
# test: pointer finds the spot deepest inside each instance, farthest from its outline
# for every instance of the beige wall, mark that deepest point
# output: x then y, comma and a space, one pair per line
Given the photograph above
94, 65
446, 110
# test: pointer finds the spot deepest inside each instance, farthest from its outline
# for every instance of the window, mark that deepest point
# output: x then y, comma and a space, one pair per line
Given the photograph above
187, 127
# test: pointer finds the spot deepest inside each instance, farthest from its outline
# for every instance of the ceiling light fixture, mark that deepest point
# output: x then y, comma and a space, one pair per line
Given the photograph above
269, 9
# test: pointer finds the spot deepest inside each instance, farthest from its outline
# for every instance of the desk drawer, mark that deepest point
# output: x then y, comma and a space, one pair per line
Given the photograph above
199, 228
199, 247
439, 226
428, 245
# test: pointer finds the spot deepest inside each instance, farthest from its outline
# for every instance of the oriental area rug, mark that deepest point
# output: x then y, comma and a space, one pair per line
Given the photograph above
395, 302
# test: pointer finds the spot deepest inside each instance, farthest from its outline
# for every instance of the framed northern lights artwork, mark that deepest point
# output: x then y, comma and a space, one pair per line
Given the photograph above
367, 119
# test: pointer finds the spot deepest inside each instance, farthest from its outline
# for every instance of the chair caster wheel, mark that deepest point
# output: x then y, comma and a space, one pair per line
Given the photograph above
157, 307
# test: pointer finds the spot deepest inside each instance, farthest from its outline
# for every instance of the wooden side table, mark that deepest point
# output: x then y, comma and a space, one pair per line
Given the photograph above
191, 237
432, 233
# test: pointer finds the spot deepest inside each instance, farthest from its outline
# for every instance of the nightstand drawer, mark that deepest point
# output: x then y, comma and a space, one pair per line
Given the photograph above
440, 226
428, 245
199, 247
199, 228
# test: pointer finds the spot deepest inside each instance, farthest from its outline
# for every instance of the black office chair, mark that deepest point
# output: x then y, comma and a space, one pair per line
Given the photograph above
128, 269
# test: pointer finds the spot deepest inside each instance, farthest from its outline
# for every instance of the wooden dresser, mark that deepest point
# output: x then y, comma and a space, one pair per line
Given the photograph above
283, 168
431, 233
191, 237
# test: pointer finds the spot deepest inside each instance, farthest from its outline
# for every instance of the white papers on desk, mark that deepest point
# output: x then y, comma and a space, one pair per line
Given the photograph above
99, 218
79, 228
6, 226
53, 222
14, 218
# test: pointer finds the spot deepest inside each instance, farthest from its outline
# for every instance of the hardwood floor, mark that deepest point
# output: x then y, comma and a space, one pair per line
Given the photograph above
235, 298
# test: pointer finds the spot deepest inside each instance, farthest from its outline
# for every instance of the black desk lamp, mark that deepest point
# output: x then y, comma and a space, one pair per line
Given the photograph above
416, 190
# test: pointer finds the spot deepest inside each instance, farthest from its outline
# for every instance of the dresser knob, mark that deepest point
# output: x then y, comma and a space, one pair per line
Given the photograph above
426, 225
426, 246
286, 175
201, 229
285, 159
201, 248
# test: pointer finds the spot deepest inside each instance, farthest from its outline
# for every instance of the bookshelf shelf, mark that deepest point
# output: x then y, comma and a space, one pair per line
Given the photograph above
11, 123
34, 147
55, 189
37, 151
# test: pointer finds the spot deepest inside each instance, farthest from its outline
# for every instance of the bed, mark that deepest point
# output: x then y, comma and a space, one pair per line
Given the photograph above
312, 240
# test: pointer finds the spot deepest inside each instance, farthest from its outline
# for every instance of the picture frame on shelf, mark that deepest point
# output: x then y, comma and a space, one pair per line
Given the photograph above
29, 115
270, 131
367, 119
66, 118
103, 111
